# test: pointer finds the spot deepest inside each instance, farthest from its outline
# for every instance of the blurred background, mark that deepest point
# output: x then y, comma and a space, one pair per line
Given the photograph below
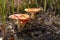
49, 7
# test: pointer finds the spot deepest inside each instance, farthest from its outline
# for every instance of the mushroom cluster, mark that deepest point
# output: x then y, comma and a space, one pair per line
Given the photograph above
20, 20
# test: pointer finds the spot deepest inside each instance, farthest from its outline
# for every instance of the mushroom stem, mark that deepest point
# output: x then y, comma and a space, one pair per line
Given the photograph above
20, 25
32, 15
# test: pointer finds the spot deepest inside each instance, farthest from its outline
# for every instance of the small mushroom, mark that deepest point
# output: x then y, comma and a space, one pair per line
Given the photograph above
33, 11
21, 20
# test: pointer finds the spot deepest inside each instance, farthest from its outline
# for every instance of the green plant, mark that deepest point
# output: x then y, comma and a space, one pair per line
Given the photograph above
12, 5
45, 2
3, 14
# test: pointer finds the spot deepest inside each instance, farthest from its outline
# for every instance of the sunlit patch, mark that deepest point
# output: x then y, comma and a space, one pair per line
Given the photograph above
1, 38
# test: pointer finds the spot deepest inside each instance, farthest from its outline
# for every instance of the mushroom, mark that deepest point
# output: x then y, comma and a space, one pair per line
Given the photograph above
21, 20
33, 11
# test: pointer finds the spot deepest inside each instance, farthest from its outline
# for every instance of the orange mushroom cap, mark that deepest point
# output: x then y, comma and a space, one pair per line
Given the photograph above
32, 9
19, 16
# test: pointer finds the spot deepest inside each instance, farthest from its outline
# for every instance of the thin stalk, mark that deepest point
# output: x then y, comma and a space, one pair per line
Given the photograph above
12, 6
45, 5
3, 11
0, 6
18, 7
37, 3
